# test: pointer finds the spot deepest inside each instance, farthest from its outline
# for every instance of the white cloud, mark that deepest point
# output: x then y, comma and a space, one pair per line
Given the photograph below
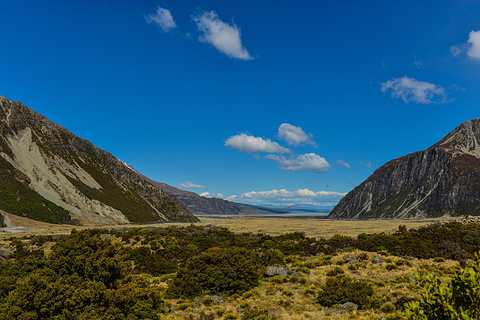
474, 42
411, 90
455, 51
367, 164
187, 185
343, 164
288, 197
224, 37
209, 195
303, 162
248, 143
163, 18
294, 136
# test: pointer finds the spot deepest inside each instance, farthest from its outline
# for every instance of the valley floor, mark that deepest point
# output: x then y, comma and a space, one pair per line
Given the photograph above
312, 227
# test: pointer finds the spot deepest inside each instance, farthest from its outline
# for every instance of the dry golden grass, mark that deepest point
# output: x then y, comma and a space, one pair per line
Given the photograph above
291, 300
312, 227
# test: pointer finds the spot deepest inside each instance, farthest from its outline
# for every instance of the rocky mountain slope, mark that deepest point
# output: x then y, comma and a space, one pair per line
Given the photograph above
49, 174
442, 180
199, 205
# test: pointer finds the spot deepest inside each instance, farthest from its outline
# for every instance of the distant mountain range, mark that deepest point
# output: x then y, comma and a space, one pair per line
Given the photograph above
49, 174
442, 180
302, 208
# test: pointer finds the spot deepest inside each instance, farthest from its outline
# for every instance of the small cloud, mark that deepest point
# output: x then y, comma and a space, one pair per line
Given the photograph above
352, 183
411, 90
209, 195
288, 197
417, 63
162, 18
295, 136
187, 185
455, 51
474, 44
224, 37
247, 143
343, 164
367, 164
303, 162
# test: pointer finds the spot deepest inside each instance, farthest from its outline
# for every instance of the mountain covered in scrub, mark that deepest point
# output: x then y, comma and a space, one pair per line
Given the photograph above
441, 180
49, 174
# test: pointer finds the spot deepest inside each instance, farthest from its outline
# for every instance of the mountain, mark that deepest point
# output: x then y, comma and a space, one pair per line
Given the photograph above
199, 205
49, 174
442, 180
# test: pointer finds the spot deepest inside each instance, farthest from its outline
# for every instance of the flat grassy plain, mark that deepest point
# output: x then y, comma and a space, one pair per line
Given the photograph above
312, 227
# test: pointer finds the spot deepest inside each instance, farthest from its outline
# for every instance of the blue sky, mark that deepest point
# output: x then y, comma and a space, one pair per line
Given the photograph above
265, 102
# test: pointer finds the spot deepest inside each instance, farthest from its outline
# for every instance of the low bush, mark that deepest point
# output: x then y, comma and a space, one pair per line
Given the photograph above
335, 271
227, 271
338, 290
455, 299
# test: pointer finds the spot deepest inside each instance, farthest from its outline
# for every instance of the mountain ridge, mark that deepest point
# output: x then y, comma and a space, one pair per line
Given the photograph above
441, 180
44, 165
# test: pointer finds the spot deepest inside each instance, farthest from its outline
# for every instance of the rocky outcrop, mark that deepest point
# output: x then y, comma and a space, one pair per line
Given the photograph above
49, 174
442, 180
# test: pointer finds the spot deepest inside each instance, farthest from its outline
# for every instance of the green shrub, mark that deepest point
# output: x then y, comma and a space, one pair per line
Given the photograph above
270, 291
228, 271
255, 314
277, 279
230, 316
304, 270
391, 267
343, 289
458, 298
388, 308
335, 271
403, 262
309, 291
184, 306
254, 294
207, 300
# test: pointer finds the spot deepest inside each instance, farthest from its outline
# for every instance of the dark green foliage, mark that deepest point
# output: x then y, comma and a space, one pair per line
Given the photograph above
452, 241
86, 255
338, 290
150, 262
448, 300
227, 271
84, 277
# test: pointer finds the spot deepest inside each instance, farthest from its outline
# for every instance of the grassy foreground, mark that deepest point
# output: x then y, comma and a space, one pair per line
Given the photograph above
210, 272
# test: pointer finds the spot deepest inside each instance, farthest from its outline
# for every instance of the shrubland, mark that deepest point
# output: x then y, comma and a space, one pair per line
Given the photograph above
197, 272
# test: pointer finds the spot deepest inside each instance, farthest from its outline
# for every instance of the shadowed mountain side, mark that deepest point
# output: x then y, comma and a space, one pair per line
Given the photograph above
442, 180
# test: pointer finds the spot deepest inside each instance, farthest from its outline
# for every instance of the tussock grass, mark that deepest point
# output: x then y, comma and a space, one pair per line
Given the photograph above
295, 297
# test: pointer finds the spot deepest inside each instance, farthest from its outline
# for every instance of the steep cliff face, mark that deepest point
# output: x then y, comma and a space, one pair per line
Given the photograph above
49, 174
442, 180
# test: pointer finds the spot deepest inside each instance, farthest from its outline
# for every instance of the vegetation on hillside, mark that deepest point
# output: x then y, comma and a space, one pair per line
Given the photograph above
211, 273
17, 198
